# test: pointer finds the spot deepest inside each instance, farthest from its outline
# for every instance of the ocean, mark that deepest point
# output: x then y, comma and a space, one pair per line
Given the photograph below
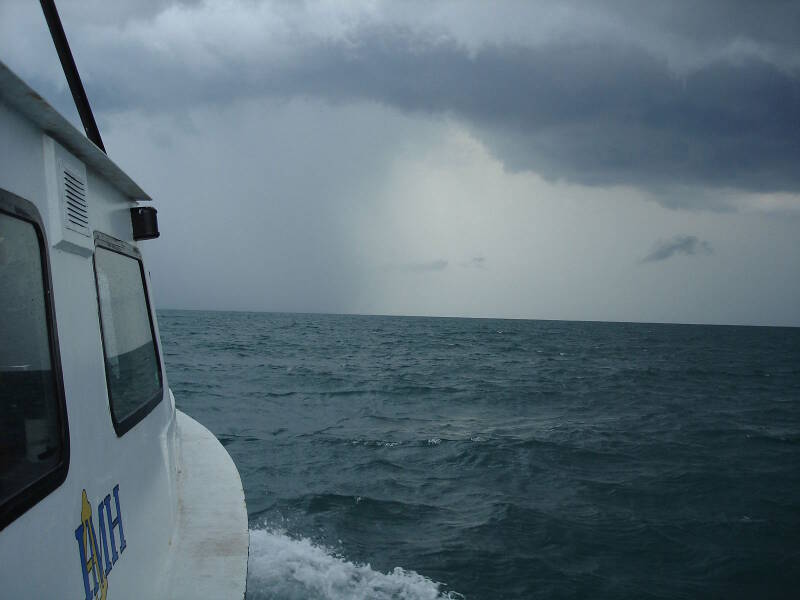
426, 458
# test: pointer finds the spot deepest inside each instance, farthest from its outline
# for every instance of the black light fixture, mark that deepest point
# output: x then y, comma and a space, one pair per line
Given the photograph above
144, 222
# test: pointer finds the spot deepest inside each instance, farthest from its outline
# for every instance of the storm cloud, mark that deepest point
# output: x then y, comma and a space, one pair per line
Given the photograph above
600, 105
595, 112
688, 245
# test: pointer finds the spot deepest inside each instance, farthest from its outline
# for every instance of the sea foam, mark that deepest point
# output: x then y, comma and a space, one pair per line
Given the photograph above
286, 568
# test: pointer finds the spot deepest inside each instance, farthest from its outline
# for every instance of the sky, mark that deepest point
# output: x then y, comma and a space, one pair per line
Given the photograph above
609, 160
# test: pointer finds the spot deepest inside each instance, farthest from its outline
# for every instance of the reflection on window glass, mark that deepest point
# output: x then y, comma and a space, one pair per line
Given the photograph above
132, 369
30, 441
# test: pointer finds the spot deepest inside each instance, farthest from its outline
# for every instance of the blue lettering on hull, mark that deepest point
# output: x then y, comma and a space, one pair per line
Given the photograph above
96, 561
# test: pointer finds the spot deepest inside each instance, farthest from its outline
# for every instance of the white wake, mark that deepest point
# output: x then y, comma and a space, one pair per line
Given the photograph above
285, 568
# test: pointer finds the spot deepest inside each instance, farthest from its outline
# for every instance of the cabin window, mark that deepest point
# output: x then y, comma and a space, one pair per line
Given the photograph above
33, 438
133, 370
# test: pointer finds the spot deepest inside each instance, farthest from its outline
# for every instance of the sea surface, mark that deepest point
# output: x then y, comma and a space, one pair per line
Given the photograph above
425, 458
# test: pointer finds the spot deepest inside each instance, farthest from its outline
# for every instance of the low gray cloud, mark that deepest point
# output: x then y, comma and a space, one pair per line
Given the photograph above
476, 262
688, 245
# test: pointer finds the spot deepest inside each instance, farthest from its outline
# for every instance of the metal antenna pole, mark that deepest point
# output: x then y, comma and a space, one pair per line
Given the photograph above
71, 72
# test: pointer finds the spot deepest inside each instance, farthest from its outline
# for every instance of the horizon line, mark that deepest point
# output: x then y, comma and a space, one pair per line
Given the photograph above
411, 316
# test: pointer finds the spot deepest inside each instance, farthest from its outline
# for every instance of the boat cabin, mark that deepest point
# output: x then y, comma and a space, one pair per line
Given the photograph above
106, 490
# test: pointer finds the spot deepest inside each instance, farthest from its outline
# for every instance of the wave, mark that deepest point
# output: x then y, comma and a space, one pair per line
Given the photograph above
286, 568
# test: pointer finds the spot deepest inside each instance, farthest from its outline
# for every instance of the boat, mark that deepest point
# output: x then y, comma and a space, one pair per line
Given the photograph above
107, 490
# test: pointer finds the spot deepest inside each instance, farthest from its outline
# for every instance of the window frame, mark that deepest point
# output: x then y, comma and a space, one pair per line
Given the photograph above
23, 500
106, 242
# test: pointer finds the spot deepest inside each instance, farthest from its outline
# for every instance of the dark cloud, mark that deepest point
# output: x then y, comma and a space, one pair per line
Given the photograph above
720, 21
688, 245
594, 109
594, 113
597, 113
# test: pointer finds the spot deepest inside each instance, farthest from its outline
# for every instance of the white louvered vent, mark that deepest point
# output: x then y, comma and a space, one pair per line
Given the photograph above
69, 213
76, 210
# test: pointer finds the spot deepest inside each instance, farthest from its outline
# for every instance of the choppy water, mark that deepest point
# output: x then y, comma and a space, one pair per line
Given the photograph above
417, 458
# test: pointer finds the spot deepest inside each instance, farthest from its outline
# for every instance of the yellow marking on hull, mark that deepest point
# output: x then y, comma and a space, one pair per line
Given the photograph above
90, 543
